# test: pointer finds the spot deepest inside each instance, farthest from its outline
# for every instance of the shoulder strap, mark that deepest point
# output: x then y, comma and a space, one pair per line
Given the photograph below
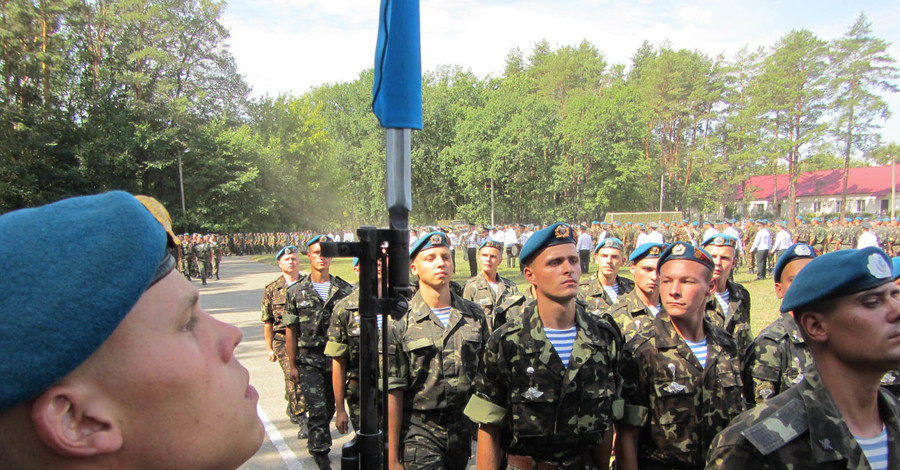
776, 431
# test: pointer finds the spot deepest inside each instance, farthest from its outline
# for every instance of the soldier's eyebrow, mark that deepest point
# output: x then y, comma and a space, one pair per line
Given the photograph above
188, 304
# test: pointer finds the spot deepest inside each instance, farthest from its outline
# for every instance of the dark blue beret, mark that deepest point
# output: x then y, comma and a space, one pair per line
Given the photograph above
684, 250
285, 251
556, 234
318, 238
795, 251
490, 244
647, 250
720, 239
611, 242
106, 249
430, 240
895, 264
837, 274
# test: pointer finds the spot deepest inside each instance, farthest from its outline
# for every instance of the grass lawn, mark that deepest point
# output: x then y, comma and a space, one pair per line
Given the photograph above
764, 305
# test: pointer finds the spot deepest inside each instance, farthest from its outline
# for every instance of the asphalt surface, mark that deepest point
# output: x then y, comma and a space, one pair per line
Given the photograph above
235, 299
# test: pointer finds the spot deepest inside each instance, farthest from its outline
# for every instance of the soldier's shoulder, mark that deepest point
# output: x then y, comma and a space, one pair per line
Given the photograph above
350, 302
772, 425
342, 283
775, 331
466, 306
273, 283
508, 282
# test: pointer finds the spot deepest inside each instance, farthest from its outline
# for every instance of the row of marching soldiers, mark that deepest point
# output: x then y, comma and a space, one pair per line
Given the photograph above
661, 371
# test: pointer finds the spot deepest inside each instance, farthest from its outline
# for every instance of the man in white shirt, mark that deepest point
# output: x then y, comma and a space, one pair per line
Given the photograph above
641, 237
867, 238
783, 239
584, 246
710, 230
762, 243
653, 236
510, 238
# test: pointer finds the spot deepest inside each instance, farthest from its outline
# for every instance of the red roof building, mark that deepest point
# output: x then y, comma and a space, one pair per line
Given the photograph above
868, 190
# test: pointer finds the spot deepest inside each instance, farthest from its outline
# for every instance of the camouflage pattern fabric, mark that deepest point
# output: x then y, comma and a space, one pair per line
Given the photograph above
679, 405
596, 298
435, 366
802, 234
311, 316
737, 322
274, 305
800, 429
202, 255
818, 238
630, 314
499, 307
544, 409
775, 361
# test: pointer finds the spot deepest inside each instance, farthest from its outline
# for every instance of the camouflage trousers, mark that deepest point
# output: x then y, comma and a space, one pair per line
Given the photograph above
353, 410
291, 390
318, 394
431, 446
215, 267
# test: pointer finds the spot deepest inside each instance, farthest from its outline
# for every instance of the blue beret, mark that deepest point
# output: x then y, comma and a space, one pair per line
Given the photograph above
895, 264
355, 262
795, 251
720, 239
491, 244
817, 219
695, 223
595, 223
53, 322
684, 250
318, 238
556, 234
611, 242
647, 250
837, 274
429, 240
285, 251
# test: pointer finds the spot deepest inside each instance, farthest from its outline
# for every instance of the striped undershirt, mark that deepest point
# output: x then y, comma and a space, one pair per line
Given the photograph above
562, 341
612, 291
443, 315
322, 289
699, 350
723, 299
876, 450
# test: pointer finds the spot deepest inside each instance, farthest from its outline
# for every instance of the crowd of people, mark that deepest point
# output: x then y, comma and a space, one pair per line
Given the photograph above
660, 371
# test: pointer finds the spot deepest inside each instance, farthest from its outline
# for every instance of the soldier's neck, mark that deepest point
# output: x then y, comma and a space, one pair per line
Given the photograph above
319, 276
435, 297
855, 392
689, 327
721, 284
556, 314
290, 278
490, 277
651, 299
606, 281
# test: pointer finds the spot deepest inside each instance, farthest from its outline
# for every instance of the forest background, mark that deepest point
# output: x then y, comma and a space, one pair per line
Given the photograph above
124, 94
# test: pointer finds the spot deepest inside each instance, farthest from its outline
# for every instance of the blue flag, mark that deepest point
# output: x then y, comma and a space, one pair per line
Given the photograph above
397, 91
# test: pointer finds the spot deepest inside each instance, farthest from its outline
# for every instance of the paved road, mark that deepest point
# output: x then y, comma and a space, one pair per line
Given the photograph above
236, 300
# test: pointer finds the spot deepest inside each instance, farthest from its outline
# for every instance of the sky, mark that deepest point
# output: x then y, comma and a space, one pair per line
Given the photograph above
290, 46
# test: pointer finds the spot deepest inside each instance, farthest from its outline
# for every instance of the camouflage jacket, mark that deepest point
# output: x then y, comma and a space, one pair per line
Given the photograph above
202, 252
344, 333
433, 364
802, 234
309, 313
799, 429
596, 298
499, 307
630, 314
678, 405
543, 408
274, 303
818, 237
737, 321
775, 361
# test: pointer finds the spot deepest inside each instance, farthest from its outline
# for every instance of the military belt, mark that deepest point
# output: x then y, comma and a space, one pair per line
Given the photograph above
439, 417
279, 336
526, 462
316, 350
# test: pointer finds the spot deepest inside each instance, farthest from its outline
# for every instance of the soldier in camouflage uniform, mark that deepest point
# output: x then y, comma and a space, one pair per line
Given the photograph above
729, 305
894, 237
203, 257
274, 306
818, 236
749, 235
838, 417
310, 304
778, 357
544, 405
434, 353
639, 306
802, 232
216, 249
497, 295
674, 403
601, 290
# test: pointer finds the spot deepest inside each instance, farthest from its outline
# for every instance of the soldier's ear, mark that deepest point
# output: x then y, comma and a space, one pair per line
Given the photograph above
74, 421
814, 325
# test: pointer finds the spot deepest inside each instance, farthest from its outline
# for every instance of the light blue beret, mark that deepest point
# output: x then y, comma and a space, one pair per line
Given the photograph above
610, 242
795, 251
318, 238
720, 239
430, 240
684, 250
556, 234
285, 251
106, 250
490, 244
895, 264
647, 250
837, 274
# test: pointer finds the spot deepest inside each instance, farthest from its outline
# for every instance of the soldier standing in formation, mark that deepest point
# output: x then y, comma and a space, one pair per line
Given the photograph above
547, 394
640, 305
681, 372
729, 305
497, 295
310, 305
274, 306
601, 290
584, 246
433, 353
848, 312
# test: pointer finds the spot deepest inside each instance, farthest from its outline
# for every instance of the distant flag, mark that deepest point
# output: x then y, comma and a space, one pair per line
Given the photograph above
397, 91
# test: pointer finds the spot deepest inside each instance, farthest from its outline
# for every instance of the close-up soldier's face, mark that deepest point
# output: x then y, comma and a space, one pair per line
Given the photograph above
609, 260
490, 259
316, 260
684, 286
433, 266
723, 257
